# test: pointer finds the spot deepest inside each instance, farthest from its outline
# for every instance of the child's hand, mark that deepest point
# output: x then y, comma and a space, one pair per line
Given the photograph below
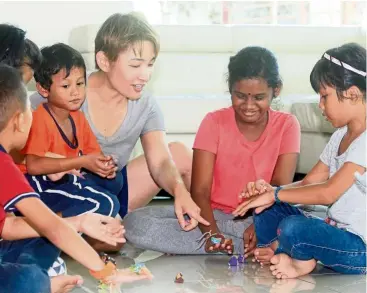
112, 162
99, 164
255, 188
249, 240
58, 176
113, 174
103, 228
76, 173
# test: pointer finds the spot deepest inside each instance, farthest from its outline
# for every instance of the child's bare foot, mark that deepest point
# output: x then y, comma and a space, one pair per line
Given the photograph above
64, 284
263, 255
227, 246
284, 267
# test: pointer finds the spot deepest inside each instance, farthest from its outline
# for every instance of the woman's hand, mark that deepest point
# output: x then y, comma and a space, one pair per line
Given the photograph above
185, 205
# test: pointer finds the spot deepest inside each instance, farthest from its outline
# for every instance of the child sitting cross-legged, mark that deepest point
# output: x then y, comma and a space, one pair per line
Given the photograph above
25, 257
64, 161
338, 181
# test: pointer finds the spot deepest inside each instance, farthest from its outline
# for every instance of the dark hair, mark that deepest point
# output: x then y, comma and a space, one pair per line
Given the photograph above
327, 73
16, 50
254, 62
32, 55
12, 45
13, 95
120, 31
56, 58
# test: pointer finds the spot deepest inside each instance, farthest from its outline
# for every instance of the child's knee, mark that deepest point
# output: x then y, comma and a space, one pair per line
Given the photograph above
265, 216
291, 227
116, 206
107, 204
113, 206
116, 184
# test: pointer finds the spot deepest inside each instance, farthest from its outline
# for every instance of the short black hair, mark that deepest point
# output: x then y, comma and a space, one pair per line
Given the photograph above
251, 63
55, 58
327, 73
13, 94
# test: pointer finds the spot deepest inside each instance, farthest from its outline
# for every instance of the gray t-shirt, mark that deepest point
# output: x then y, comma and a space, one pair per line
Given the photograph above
349, 211
143, 115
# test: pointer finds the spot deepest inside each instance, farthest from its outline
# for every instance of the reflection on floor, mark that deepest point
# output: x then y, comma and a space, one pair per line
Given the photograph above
211, 274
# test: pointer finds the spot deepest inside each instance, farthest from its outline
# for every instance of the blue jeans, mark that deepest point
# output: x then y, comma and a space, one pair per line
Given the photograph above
24, 265
117, 186
306, 238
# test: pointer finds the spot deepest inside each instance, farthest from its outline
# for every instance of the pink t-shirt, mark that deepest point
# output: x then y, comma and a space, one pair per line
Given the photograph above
239, 161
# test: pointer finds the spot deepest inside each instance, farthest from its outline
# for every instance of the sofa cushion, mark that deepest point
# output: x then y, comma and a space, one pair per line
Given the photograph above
306, 109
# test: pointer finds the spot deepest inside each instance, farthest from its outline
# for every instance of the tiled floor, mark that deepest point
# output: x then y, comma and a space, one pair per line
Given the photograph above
212, 274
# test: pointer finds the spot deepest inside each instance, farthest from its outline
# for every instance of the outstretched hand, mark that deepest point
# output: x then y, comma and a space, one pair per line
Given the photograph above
103, 228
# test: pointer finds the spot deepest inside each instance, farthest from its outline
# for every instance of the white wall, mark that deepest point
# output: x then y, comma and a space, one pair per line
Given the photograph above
49, 22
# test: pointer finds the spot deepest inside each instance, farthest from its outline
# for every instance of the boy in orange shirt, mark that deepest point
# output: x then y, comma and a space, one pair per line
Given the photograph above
61, 147
25, 257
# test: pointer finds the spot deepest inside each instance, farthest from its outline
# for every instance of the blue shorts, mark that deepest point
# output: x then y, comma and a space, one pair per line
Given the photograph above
118, 186
73, 196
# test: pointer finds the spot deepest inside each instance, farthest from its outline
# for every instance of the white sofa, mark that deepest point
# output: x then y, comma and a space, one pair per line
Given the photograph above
190, 73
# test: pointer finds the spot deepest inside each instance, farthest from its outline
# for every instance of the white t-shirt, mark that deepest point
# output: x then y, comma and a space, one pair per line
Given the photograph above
349, 211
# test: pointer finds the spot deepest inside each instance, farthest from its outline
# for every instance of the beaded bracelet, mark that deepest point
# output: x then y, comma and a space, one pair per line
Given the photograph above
108, 270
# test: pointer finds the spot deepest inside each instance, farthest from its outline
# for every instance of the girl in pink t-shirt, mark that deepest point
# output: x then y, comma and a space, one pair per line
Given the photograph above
242, 142
233, 146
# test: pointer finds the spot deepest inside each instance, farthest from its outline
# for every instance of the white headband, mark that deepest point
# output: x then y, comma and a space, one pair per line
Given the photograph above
345, 65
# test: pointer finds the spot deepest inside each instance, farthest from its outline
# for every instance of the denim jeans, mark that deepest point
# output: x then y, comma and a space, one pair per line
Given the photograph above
24, 265
304, 238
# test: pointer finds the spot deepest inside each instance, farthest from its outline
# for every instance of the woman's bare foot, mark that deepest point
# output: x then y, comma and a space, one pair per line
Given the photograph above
285, 267
64, 284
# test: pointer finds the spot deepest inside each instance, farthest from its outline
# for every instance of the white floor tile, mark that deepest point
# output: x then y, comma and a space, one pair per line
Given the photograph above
212, 274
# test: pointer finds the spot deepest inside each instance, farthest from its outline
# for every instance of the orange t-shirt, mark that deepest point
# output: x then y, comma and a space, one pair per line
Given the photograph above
239, 161
45, 136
